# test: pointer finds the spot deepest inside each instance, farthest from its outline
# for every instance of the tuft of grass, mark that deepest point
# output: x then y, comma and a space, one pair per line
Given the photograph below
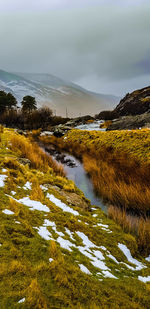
35, 298
139, 227
36, 192
39, 159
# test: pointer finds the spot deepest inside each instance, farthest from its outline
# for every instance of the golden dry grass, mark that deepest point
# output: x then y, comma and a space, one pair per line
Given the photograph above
39, 159
140, 227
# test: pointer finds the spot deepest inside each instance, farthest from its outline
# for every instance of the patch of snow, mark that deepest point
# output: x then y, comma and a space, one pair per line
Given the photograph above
2, 180
44, 133
43, 188
13, 192
97, 259
103, 248
59, 233
129, 257
69, 233
33, 205
51, 260
84, 251
85, 240
44, 233
66, 244
148, 259
113, 258
49, 223
4, 170
53, 225
107, 230
27, 186
98, 254
17, 222
107, 274
128, 266
21, 301
95, 215
144, 279
8, 212
99, 264
84, 269
103, 225
61, 205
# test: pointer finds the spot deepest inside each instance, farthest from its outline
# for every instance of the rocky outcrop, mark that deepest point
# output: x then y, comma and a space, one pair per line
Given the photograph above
131, 122
135, 103
61, 129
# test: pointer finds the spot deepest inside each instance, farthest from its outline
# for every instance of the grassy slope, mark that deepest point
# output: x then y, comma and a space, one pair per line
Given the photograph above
25, 270
118, 162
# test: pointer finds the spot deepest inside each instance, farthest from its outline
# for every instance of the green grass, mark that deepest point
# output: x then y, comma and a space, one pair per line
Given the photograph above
25, 270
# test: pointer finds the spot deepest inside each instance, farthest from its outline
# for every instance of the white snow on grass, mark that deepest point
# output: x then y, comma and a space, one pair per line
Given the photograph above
33, 205
148, 259
96, 257
103, 225
43, 188
84, 269
103, 248
51, 260
49, 223
66, 244
17, 222
61, 205
99, 264
69, 233
95, 215
2, 180
129, 257
112, 258
4, 170
144, 279
85, 240
8, 212
21, 301
53, 225
44, 233
57, 232
107, 274
13, 192
98, 254
27, 186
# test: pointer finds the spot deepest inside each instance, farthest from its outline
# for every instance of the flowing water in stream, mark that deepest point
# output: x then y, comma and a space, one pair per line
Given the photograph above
75, 171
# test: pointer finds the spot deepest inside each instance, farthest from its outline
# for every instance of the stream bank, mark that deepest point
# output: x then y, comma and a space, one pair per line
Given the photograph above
75, 171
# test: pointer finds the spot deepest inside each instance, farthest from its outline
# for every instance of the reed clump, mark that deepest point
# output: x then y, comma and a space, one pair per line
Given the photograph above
138, 226
39, 159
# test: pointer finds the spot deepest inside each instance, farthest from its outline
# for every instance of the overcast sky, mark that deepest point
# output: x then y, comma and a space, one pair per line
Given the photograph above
103, 45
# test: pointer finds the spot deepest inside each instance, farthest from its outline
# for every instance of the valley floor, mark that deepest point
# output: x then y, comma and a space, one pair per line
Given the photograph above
56, 250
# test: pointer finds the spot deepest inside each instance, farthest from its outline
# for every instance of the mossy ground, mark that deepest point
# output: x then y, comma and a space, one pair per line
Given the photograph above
27, 274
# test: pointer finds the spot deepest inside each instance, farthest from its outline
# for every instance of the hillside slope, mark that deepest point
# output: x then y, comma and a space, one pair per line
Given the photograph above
56, 93
135, 103
56, 250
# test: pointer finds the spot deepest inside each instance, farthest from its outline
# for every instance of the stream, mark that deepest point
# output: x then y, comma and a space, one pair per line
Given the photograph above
75, 171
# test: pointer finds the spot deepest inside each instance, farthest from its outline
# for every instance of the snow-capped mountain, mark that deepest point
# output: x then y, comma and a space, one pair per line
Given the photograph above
56, 93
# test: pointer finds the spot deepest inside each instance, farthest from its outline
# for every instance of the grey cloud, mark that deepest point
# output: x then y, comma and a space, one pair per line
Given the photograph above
107, 42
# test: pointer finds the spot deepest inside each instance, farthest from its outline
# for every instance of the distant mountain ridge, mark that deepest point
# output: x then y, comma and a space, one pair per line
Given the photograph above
56, 93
